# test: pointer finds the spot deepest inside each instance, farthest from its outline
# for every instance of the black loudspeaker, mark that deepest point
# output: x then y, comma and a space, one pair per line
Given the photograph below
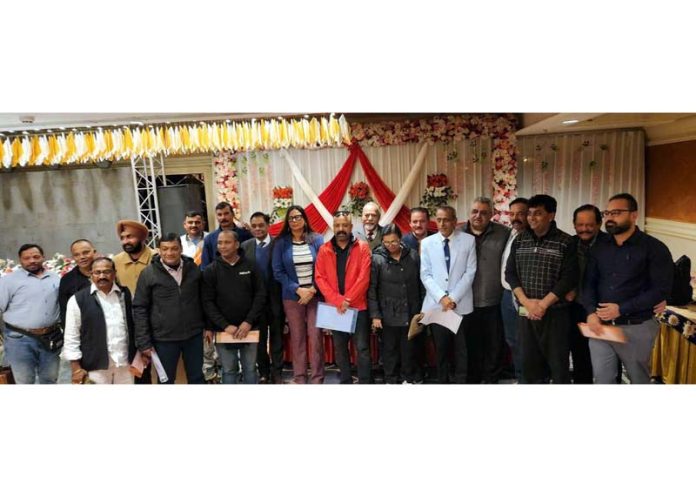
174, 202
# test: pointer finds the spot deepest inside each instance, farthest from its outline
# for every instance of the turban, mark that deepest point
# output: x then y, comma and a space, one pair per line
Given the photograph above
139, 228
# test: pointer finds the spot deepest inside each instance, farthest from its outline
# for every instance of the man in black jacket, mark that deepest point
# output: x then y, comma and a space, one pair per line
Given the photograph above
99, 330
233, 297
78, 277
167, 310
258, 251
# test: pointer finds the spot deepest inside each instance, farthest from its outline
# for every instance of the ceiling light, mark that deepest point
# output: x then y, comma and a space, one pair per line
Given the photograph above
136, 123
570, 121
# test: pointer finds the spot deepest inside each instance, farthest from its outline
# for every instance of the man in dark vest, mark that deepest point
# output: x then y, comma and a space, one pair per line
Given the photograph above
99, 340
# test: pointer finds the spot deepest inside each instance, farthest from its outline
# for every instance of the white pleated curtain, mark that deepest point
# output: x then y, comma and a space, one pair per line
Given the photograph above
585, 168
466, 163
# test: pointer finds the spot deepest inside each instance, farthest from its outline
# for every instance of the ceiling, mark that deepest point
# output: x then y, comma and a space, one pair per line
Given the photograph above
658, 127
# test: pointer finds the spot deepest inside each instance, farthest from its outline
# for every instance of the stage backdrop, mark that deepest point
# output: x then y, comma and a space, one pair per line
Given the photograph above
582, 168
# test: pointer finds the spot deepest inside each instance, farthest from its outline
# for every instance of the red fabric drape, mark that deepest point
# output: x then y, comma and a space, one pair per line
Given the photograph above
382, 192
331, 197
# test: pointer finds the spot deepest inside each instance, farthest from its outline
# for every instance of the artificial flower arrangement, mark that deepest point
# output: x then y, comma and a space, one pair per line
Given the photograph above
359, 195
437, 193
282, 200
59, 264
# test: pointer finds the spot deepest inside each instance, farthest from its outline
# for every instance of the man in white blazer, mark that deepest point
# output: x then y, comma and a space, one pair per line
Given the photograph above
448, 267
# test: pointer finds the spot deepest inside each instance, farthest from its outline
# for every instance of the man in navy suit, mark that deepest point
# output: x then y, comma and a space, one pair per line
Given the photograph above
448, 267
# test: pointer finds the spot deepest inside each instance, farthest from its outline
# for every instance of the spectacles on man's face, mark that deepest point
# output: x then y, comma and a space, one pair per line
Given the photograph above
614, 212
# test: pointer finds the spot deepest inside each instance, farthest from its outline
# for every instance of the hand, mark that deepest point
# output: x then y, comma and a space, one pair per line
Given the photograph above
305, 294
231, 330
78, 376
343, 307
208, 336
377, 324
447, 303
147, 356
570, 296
243, 330
608, 311
594, 323
660, 308
535, 309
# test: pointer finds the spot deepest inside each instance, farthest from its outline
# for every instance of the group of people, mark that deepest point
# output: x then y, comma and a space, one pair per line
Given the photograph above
225, 297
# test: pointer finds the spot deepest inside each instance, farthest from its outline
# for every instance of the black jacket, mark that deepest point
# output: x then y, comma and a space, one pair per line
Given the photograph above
232, 294
95, 353
274, 292
396, 292
163, 310
70, 284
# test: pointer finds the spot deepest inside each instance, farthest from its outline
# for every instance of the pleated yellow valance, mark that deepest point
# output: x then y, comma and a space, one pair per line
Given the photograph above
81, 147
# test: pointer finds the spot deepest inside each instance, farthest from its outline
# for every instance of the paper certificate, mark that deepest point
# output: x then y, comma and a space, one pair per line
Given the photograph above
329, 318
449, 319
609, 333
161, 373
222, 337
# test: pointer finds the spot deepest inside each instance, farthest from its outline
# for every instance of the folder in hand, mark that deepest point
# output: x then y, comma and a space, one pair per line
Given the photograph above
415, 327
609, 333
222, 337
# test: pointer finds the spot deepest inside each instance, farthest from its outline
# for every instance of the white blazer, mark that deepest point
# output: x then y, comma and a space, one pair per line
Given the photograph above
460, 280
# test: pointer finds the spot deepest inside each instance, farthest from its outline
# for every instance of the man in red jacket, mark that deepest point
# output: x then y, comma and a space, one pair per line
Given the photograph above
342, 273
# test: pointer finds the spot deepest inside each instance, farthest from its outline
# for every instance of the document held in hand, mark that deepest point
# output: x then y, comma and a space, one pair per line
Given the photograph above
449, 319
329, 318
610, 333
161, 373
137, 366
222, 337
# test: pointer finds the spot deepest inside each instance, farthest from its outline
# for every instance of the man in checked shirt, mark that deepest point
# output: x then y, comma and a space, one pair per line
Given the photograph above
541, 270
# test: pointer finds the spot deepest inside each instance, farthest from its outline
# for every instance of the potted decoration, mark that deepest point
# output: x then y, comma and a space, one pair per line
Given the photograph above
359, 195
437, 193
282, 199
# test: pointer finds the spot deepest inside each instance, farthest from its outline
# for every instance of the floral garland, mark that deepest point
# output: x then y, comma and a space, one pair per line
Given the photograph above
225, 167
499, 127
282, 200
437, 193
359, 195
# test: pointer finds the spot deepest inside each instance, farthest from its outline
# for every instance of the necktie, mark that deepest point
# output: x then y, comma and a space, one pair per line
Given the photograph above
262, 244
370, 237
447, 254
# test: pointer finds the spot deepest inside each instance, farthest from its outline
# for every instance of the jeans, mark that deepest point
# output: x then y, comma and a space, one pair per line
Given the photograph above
509, 314
362, 343
635, 353
191, 349
229, 354
28, 359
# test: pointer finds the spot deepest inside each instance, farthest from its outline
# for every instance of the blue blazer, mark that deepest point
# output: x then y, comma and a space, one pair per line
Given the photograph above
460, 280
284, 267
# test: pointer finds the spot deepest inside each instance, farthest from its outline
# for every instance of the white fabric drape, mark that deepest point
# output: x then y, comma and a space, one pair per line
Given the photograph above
467, 164
585, 168
306, 188
406, 188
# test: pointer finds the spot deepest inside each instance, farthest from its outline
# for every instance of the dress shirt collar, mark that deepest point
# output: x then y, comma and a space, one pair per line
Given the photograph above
114, 289
45, 274
266, 240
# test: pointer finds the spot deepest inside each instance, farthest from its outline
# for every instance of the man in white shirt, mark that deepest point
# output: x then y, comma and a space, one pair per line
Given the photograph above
448, 267
518, 219
193, 224
99, 340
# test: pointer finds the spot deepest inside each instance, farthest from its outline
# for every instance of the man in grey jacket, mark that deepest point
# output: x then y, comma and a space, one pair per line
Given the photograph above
485, 338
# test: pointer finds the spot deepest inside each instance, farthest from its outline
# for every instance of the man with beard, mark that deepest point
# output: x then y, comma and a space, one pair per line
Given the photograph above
485, 339
342, 273
508, 305
371, 231
30, 311
130, 263
168, 312
225, 218
627, 275
193, 238
99, 340
541, 270
420, 217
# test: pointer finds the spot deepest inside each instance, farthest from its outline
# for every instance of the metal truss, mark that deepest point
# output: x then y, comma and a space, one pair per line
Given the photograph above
146, 172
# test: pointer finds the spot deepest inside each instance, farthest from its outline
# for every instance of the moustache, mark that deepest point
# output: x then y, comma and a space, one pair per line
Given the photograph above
343, 233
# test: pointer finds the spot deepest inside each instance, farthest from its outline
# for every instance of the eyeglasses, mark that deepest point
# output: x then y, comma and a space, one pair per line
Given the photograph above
342, 214
105, 272
392, 244
615, 212
295, 218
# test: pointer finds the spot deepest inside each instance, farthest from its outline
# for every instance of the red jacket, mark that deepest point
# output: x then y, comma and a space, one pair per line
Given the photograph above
357, 274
